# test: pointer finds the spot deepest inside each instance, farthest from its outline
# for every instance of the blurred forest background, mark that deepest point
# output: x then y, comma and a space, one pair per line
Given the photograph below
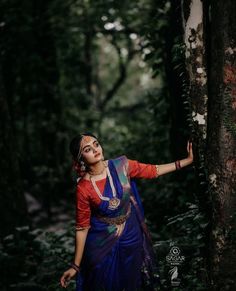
123, 71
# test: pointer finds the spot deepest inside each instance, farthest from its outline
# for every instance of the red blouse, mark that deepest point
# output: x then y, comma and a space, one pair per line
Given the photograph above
86, 196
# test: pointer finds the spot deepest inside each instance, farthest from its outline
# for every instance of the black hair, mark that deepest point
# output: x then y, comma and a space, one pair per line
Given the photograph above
76, 143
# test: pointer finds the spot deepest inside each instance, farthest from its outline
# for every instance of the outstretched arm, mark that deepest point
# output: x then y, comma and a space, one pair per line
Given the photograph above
170, 167
150, 171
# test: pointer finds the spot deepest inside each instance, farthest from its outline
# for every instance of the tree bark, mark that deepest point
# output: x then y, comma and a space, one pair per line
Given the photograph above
194, 18
195, 63
221, 143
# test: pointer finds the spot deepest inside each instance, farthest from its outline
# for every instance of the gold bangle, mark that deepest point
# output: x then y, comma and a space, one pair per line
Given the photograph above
75, 267
177, 165
82, 228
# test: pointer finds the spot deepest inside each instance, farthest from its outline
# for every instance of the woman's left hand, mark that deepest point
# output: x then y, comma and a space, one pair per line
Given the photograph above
190, 151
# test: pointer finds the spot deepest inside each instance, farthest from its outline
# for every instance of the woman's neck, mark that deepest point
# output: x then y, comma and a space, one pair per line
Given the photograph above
97, 168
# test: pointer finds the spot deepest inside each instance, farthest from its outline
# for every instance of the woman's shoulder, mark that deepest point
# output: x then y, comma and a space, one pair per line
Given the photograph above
121, 161
83, 187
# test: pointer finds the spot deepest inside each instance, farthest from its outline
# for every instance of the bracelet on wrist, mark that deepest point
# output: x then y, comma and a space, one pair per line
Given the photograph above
75, 267
177, 165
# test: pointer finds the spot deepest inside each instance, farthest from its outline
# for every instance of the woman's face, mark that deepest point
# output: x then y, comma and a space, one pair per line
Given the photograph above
91, 151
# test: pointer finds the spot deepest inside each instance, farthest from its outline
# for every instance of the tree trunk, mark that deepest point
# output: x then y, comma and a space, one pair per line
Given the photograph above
221, 156
195, 64
13, 210
194, 17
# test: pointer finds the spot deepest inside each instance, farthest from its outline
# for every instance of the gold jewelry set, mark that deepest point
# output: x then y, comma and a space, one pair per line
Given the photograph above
113, 202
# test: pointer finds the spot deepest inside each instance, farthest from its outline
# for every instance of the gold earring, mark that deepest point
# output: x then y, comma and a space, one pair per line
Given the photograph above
82, 166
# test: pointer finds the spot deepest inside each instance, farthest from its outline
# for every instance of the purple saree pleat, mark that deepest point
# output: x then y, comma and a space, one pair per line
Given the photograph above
150, 267
111, 262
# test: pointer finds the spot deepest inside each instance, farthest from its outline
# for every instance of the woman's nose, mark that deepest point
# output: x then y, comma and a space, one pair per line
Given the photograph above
94, 150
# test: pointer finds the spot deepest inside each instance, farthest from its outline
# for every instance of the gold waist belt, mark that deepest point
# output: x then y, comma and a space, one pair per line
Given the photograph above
115, 220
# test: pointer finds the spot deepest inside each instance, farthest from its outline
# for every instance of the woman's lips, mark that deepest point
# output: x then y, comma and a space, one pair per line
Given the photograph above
98, 154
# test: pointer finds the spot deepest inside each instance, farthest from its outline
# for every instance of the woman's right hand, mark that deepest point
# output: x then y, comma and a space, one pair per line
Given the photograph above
67, 275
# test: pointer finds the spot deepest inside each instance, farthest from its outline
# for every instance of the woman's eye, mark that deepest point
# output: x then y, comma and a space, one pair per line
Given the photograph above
97, 144
87, 150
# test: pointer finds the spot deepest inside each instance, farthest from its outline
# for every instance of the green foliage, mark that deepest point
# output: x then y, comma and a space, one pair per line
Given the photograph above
35, 259
187, 230
60, 67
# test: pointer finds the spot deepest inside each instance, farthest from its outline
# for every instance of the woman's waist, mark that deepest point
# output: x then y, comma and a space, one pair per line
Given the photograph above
119, 219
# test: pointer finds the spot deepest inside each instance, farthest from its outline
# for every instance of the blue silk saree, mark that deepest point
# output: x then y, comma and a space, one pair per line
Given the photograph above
120, 262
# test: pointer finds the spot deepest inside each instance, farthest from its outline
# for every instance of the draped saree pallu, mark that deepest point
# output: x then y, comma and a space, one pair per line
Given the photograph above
118, 260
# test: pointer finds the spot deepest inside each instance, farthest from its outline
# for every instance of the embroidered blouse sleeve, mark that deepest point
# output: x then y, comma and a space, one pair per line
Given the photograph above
83, 210
141, 170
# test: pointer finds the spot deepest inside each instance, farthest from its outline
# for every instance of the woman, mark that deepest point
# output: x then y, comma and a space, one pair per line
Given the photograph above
113, 250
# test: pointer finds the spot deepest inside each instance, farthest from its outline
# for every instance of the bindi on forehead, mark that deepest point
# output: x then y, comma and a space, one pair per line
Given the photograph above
88, 138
